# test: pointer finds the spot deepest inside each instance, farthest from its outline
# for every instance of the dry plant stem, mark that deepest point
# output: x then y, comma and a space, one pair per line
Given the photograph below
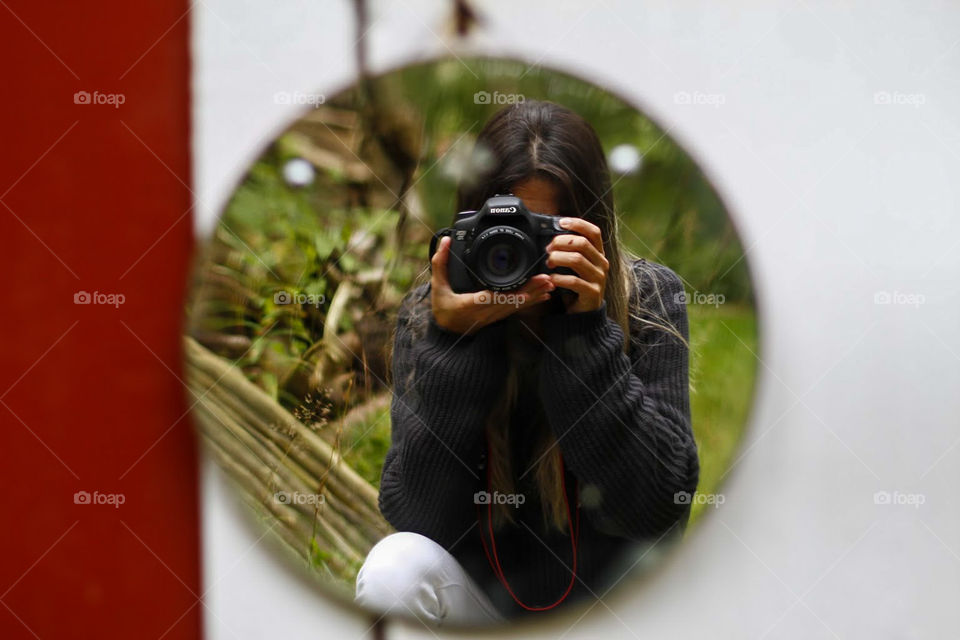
337, 510
271, 413
292, 478
240, 450
365, 515
333, 347
292, 530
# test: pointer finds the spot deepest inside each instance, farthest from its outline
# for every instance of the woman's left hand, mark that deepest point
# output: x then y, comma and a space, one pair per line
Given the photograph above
584, 254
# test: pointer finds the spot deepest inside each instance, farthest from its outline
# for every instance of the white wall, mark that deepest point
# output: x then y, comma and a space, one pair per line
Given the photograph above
838, 196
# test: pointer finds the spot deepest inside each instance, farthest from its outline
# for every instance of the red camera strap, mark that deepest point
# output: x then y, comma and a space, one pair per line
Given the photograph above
493, 558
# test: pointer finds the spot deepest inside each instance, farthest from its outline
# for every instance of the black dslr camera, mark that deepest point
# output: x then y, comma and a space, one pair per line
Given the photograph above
499, 247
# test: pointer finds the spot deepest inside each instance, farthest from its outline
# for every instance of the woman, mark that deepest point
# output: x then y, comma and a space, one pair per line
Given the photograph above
534, 443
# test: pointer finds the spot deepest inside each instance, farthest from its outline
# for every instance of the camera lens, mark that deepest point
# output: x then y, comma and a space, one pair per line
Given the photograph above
504, 258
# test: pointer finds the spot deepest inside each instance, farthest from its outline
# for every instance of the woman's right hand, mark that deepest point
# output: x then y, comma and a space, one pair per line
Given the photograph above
466, 313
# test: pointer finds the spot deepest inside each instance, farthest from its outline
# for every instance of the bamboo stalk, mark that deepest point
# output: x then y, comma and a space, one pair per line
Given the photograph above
314, 460
265, 465
358, 535
261, 446
296, 531
272, 413
362, 515
293, 531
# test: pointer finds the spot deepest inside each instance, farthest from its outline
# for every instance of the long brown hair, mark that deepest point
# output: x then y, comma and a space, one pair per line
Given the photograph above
548, 141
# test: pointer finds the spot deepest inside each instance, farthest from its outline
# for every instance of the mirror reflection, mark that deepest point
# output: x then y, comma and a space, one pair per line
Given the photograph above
475, 341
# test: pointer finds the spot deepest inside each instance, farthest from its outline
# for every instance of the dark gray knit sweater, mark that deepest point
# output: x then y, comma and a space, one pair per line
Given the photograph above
622, 422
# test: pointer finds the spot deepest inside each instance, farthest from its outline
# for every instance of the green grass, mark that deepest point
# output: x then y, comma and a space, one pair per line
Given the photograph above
722, 373
364, 445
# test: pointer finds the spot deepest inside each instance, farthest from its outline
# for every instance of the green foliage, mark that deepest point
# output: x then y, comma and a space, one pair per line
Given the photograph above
277, 239
723, 344
365, 446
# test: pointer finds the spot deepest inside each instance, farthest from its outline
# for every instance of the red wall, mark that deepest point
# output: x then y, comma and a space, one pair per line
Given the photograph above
95, 198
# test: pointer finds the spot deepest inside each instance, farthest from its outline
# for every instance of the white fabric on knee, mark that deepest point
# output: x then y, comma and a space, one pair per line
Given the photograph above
409, 574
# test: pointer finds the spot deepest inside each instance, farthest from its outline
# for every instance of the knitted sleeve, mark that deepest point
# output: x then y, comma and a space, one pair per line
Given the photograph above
623, 420
443, 384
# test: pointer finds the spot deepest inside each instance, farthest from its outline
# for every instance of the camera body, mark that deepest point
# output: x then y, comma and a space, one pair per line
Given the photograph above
499, 247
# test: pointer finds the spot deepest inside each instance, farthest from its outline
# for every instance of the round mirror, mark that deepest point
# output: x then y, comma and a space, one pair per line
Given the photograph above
474, 341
